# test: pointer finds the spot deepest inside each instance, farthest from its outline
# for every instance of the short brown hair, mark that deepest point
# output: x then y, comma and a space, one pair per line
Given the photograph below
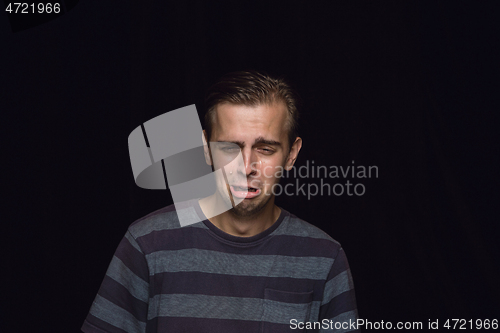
252, 88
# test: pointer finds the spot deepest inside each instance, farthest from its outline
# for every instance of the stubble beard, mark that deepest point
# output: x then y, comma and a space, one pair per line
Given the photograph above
248, 208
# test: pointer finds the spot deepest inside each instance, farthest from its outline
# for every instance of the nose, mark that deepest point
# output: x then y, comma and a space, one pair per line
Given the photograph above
251, 161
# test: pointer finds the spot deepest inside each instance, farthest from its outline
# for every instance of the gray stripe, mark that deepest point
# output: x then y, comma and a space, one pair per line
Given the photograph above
132, 241
296, 227
197, 260
336, 286
165, 221
283, 313
315, 307
346, 317
116, 316
205, 306
223, 307
119, 272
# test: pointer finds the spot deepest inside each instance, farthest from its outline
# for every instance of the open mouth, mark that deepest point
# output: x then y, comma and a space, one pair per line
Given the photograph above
244, 192
245, 188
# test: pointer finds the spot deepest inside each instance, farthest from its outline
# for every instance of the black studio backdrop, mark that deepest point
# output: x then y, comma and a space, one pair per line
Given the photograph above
411, 88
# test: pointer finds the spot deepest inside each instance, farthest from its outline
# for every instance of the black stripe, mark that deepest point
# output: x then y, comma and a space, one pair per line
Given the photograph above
230, 285
196, 238
339, 265
279, 295
277, 328
152, 325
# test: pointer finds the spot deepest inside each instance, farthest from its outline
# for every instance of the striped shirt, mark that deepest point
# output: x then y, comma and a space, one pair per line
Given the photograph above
197, 278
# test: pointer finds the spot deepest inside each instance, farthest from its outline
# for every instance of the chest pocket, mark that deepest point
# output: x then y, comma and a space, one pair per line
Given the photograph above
280, 307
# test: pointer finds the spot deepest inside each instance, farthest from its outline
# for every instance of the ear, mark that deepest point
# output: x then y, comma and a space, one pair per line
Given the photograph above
206, 149
294, 152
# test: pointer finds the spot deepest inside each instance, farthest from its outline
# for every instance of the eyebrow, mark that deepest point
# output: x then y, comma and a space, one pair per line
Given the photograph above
266, 142
259, 140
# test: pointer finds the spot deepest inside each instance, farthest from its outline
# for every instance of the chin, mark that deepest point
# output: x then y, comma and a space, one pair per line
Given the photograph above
247, 209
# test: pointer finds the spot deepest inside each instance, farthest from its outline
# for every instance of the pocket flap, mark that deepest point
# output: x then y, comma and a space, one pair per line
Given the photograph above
288, 297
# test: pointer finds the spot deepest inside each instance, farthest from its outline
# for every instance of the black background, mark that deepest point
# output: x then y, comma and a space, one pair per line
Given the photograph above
409, 87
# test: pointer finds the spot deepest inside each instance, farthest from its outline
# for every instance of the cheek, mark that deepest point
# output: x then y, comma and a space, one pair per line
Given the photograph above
271, 168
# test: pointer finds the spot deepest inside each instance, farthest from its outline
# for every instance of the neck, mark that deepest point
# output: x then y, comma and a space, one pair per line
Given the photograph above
239, 226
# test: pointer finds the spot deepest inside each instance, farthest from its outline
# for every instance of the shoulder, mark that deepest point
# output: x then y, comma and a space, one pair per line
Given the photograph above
297, 230
295, 226
163, 219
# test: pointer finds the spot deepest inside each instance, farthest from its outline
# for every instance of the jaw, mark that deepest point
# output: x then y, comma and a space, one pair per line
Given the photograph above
250, 208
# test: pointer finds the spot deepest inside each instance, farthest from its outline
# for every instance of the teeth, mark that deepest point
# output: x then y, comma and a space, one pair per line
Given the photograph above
238, 188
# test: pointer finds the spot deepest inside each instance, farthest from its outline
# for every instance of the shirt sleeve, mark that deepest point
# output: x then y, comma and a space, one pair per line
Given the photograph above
339, 302
121, 305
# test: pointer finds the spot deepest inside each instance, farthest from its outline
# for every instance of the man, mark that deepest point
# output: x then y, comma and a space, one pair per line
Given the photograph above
252, 268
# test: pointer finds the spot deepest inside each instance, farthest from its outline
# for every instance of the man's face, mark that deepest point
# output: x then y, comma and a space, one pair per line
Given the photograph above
261, 135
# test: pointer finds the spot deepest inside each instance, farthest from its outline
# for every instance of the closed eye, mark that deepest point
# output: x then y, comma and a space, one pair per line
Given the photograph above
266, 151
230, 149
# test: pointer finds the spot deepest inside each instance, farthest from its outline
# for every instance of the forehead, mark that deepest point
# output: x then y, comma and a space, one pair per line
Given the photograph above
240, 122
